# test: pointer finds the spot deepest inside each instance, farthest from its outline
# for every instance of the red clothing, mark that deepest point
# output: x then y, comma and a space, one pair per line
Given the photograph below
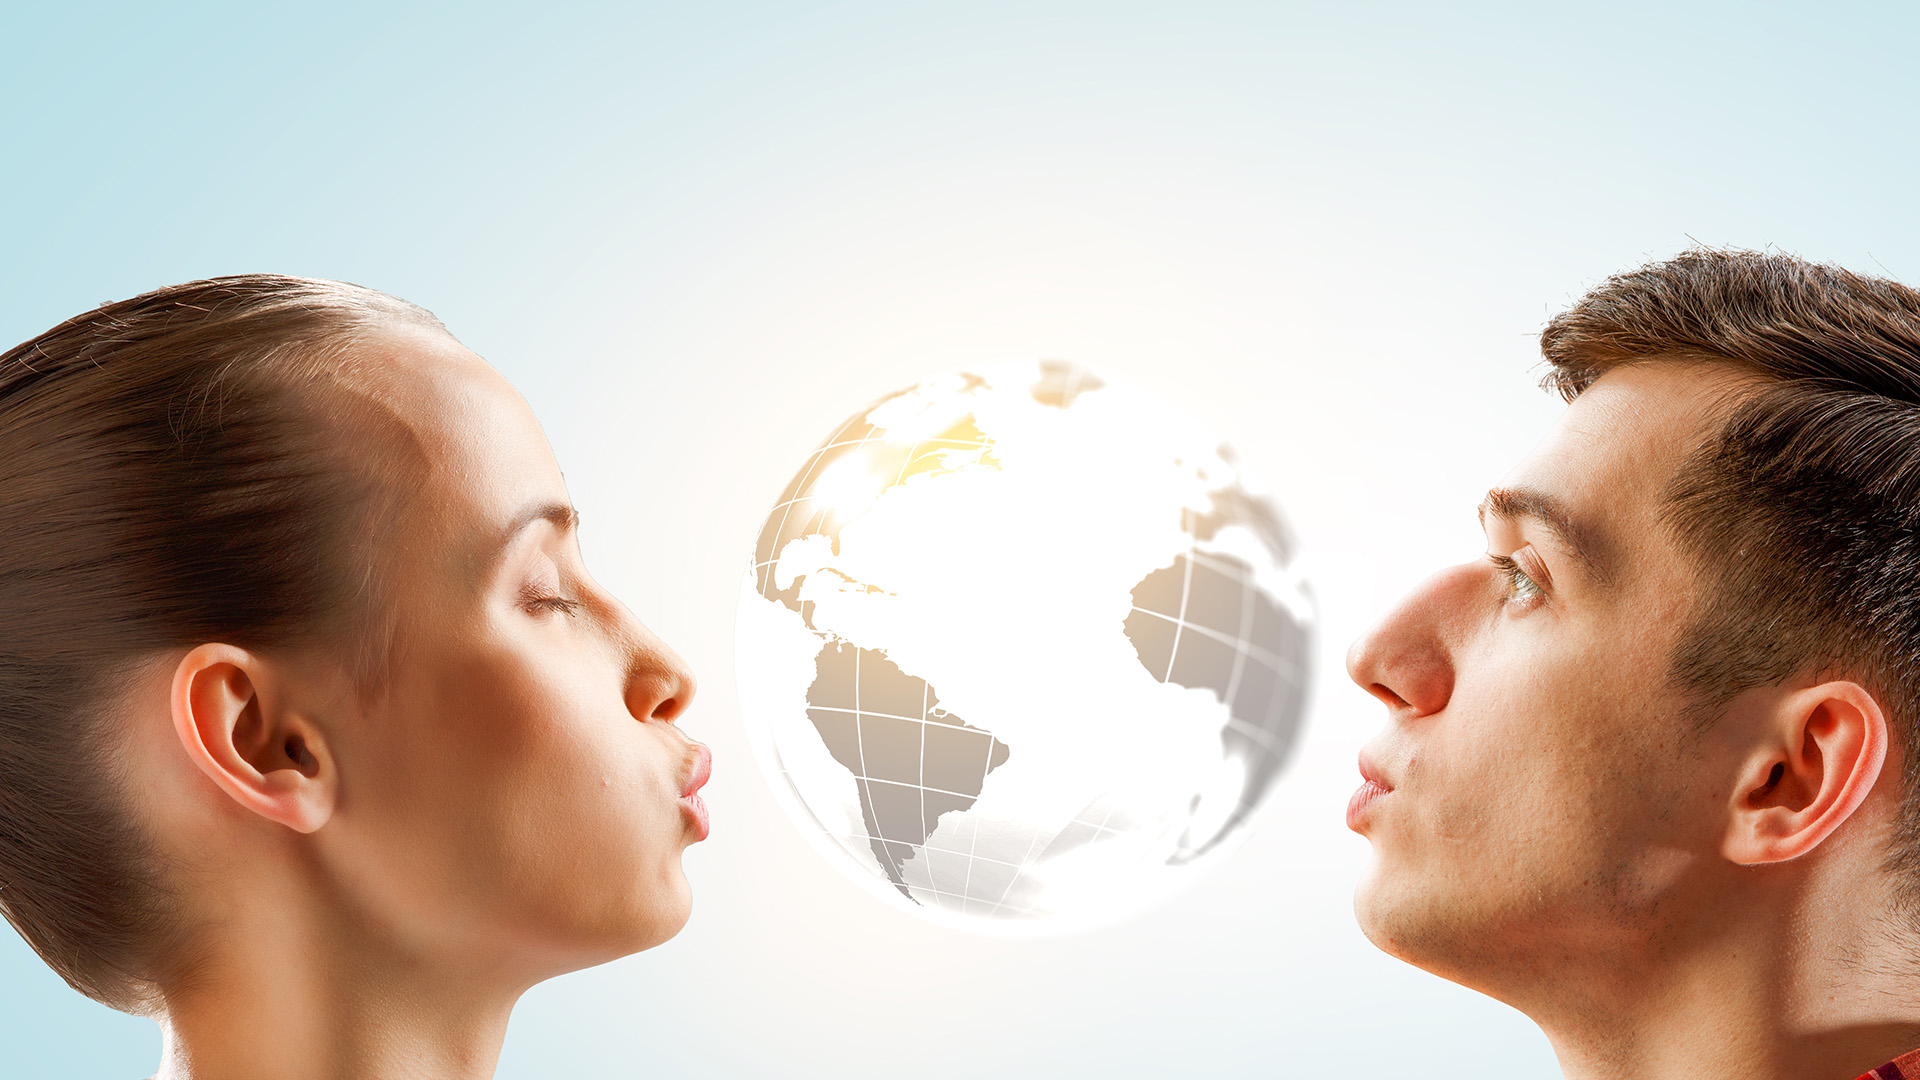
1904, 1067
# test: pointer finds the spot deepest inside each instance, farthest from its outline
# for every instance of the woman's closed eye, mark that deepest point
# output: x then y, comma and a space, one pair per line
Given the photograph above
555, 603
544, 598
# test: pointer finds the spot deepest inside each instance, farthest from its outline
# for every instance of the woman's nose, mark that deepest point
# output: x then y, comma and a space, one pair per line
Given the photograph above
1408, 659
659, 683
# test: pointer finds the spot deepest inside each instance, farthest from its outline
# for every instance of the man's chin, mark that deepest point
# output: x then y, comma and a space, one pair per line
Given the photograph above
1369, 911
1396, 917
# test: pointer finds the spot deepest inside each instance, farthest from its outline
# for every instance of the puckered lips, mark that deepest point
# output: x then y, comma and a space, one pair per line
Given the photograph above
1372, 789
690, 794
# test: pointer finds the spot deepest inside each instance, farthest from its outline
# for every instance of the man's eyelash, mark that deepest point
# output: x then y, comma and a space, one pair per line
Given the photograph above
1520, 586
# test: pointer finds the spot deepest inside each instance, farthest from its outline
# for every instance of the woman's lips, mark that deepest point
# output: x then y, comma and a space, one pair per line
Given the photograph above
1373, 789
702, 769
690, 801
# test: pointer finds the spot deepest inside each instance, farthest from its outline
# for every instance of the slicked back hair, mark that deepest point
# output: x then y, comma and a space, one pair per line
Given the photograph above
169, 476
1803, 511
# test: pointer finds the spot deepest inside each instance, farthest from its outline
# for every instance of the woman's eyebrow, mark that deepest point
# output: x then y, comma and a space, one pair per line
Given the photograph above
563, 517
1588, 544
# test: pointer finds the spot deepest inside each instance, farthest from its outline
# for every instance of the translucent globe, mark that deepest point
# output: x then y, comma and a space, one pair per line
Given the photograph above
1021, 649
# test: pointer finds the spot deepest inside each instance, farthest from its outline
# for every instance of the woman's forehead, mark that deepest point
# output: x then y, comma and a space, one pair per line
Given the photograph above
477, 453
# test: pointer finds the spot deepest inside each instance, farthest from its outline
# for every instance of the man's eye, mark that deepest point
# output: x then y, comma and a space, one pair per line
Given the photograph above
1521, 589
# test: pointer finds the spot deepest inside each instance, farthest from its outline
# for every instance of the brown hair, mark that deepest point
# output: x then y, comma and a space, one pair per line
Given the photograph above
167, 477
1804, 510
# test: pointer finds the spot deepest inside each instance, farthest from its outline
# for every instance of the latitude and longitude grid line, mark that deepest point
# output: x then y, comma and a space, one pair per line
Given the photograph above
1253, 650
965, 896
1021, 869
847, 846
913, 455
1240, 654
1243, 647
925, 692
867, 782
860, 745
858, 714
813, 462
973, 839
1025, 861
1180, 620
1244, 642
933, 887
1279, 665
786, 507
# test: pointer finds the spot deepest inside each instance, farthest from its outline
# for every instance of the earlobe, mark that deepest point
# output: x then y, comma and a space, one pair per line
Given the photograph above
266, 758
1824, 752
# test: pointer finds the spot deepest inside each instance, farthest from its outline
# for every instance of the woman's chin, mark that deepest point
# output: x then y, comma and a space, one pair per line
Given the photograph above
656, 913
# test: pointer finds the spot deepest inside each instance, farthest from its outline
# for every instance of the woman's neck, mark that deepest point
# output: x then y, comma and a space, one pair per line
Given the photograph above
284, 990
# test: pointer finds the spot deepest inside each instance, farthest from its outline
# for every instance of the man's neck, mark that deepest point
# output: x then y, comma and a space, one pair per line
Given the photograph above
1762, 985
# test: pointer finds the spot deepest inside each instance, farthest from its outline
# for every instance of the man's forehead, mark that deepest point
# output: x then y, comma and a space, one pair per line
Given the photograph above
1598, 479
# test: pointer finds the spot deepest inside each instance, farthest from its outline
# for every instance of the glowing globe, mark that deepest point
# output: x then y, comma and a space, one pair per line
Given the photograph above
1020, 649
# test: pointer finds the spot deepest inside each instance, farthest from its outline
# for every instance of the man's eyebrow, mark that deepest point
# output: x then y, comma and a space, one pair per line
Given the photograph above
1587, 543
564, 518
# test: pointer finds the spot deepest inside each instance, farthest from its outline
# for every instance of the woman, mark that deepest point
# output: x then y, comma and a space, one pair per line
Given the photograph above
317, 743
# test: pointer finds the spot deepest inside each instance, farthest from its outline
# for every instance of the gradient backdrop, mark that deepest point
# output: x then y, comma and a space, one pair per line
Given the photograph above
698, 235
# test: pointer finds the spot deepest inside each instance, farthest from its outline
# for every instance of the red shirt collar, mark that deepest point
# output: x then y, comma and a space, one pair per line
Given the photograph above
1904, 1067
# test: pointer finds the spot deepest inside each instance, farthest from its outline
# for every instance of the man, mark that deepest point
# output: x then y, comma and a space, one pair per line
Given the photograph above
1651, 769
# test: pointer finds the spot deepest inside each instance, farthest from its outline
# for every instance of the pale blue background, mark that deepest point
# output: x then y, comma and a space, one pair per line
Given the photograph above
697, 235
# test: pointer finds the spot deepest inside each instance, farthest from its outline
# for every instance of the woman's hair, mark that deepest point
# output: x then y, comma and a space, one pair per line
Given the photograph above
170, 474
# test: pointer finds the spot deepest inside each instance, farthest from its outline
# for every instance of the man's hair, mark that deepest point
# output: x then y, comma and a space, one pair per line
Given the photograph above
169, 476
1803, 511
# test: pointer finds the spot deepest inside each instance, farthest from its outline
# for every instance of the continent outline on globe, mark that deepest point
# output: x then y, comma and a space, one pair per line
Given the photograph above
1221, 616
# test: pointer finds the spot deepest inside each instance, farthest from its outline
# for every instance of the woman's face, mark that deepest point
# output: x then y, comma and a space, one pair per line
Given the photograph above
517, 789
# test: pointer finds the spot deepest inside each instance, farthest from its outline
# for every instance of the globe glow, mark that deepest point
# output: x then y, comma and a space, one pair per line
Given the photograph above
1021, 649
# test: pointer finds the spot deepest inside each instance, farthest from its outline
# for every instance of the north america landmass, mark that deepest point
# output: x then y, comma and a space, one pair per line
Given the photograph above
1200, 622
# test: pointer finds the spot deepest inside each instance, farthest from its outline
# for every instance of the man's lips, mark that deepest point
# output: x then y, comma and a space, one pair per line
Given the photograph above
690, 801
1372, 789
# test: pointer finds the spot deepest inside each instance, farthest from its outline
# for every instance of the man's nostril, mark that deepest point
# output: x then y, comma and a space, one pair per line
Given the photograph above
1387, 696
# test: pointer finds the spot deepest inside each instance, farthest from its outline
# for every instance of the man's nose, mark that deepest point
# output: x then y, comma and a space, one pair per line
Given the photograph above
1408, 659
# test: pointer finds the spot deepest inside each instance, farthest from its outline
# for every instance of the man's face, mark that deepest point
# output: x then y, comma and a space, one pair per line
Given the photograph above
1537, 792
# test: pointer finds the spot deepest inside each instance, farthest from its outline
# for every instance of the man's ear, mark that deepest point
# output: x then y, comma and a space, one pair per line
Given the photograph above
1820, 755
265, 756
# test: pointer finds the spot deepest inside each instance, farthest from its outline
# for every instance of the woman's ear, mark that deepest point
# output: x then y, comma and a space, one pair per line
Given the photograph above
267, 757
1821, 752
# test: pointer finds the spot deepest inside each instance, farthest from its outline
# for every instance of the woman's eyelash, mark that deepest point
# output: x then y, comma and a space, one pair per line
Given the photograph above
1520, 587
555, 603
